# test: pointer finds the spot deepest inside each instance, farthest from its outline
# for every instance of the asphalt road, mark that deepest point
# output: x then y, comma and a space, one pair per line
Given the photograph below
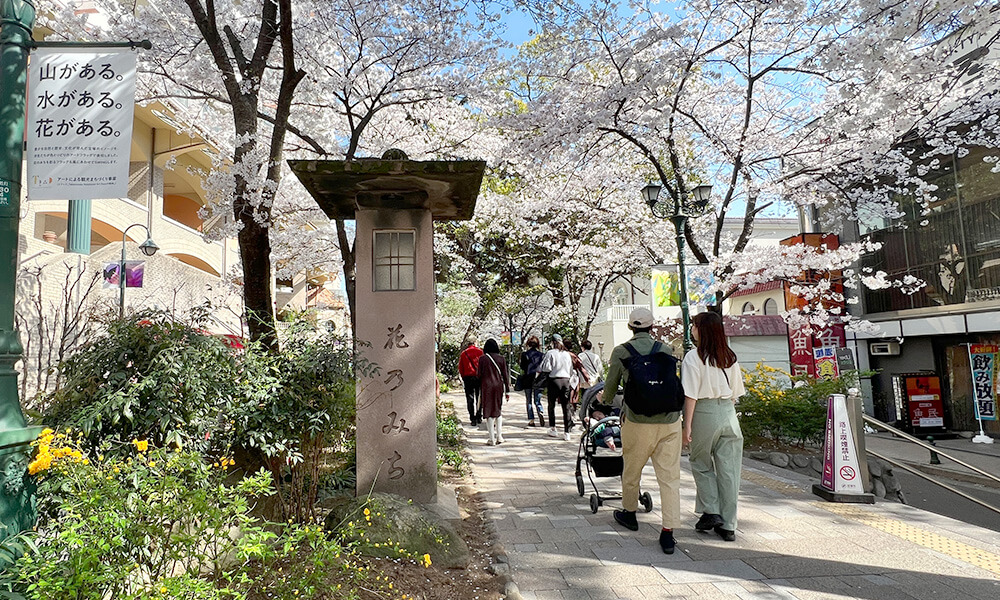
927, 496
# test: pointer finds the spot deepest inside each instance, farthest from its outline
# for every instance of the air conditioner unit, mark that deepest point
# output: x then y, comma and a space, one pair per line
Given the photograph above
883, 348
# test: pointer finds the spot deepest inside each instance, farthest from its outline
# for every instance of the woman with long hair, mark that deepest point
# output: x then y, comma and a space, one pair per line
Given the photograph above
712, 382
495, 385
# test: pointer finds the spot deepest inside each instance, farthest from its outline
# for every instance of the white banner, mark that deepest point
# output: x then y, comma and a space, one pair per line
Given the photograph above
79, 130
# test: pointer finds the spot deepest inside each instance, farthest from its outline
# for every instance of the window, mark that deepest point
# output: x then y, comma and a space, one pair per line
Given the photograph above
770, 307
748, 308
394, 261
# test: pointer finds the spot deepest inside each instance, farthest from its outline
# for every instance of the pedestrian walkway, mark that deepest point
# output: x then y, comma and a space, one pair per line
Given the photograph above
790, 544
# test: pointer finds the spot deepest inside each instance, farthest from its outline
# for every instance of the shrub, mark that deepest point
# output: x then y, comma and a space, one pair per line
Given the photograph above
164, 523
290, 409
449, 439
784, 409
149, 378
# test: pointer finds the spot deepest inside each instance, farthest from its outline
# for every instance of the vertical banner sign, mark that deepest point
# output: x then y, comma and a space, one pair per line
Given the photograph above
79, 128
134, 270
826, 362
841, 472
983, 358
666, 288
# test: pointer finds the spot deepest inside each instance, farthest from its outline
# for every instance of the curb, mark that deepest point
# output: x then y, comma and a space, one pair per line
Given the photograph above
954, 475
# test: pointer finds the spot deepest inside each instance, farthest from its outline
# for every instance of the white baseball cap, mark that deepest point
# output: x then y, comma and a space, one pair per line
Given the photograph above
640, 318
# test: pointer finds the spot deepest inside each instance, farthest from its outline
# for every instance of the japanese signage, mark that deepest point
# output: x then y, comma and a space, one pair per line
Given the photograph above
6, 193
826, 362
79, 128
841, 472
815, 354
983, 359
924, 404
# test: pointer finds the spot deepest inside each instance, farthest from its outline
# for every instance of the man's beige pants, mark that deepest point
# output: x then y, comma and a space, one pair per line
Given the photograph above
662, 443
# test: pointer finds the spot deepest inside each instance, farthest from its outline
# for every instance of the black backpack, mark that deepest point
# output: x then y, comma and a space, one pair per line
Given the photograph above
653, 387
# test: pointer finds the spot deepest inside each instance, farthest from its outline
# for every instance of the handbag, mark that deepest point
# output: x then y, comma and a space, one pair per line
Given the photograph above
541, 380
522, 382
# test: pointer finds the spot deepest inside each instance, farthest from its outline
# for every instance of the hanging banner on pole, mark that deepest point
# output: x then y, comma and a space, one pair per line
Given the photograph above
79, 130
984, 380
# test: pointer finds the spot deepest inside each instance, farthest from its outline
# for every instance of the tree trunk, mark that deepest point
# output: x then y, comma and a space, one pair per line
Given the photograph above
255, 254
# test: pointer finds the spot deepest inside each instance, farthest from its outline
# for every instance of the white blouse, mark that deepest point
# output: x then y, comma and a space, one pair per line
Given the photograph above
704, 381
557, 363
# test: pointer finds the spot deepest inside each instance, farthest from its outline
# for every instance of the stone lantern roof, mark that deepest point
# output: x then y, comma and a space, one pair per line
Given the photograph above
447, 188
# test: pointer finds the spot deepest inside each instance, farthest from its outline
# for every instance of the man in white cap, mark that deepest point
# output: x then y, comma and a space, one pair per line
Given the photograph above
657, 436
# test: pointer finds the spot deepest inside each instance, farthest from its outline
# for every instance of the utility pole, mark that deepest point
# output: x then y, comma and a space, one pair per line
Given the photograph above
17, 511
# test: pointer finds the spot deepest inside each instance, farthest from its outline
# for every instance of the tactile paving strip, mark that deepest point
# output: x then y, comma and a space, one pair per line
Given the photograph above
933, 541
771, 484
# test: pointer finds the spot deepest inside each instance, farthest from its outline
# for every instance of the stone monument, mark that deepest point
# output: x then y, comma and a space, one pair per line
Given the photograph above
394, 202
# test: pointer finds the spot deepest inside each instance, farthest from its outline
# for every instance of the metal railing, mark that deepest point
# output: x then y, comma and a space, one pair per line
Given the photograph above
934, 449
620, 312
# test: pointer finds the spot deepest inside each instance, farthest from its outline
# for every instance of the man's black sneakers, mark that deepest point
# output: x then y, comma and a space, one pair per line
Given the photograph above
626, 518
708, 521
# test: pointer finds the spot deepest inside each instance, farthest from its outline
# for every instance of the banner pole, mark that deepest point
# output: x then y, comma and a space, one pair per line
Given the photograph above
982, 438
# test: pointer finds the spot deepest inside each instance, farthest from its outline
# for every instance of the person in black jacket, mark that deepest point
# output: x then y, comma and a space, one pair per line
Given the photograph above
531, 359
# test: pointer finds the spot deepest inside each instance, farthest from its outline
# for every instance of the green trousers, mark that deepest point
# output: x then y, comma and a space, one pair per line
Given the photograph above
716, 458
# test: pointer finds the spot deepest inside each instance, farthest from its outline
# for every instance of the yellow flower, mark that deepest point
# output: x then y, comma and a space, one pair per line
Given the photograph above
163, 589
367, 512
427, 560
140, 445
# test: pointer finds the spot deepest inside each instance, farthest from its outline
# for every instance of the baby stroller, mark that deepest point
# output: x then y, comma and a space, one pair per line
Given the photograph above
600, 461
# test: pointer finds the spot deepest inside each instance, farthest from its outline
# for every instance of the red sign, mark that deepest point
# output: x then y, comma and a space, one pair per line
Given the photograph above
804, 343
923, 399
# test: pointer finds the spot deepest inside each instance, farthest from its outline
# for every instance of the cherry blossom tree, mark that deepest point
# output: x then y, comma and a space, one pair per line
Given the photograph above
782, 101
268, 80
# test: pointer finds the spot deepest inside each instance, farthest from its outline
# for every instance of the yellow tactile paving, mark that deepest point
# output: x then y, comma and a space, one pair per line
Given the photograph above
771, 484
933, 541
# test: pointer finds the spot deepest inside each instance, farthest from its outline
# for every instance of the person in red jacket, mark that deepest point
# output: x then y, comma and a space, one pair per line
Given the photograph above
468, 368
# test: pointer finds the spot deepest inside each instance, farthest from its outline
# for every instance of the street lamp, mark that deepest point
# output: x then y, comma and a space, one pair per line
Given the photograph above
701, 193
148, 248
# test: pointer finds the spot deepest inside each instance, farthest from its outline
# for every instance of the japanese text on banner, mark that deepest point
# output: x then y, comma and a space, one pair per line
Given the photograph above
79, 129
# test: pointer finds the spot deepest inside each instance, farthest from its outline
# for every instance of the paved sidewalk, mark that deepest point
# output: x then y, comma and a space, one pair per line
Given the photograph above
790, 544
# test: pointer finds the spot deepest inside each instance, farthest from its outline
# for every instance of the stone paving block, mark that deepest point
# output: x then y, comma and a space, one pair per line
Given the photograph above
815, 548
561, 557
979, 589
786, 567
616, 578
550, 595
636, 556
709, 571
519, 536
765, 590
536, 579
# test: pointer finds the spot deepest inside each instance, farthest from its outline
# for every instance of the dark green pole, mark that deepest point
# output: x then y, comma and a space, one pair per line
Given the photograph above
17, 490
679, 219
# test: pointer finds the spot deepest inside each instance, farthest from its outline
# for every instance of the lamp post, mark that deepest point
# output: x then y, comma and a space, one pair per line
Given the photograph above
651, 195
148, 248
17, 508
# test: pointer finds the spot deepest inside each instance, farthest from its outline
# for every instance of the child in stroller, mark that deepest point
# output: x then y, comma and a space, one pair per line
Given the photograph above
606, 433
600, 447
